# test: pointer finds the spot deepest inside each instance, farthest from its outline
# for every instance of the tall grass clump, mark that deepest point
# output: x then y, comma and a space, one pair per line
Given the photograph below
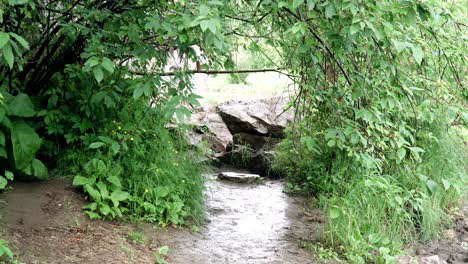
374, 212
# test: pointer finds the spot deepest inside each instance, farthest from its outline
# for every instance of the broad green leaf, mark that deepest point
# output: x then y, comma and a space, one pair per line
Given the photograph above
95, 195
20, 40
164, 250
297, 3
4, 38
119, 195
80, 180
334, 213
311, 4
8, 55
115, 147
21, 106
3, 182
204, 9
208, 24
102, 189
330, 10
37, 169
104, 208
354, 28
418, 54
98, 74
25, 143
138, 92
106, 140
401, 153
431, 185
161, 191
96, 145
410, 17
9, 175
93, 215
18, 2
114, 180
354, 138
108, 65
446, 184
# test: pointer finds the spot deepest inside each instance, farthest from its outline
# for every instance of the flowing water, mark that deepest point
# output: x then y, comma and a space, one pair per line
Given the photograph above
247, 223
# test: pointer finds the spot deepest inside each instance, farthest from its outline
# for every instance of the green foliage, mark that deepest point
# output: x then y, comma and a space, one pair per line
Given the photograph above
5, 252
159, 256
320, 251
18, 140
379, 85
136, 238
96, 71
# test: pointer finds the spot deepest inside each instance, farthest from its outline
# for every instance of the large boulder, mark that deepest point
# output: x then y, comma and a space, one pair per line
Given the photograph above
209, 126
243, 134
264, 117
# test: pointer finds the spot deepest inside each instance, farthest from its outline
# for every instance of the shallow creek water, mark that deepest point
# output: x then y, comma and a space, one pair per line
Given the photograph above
247, 223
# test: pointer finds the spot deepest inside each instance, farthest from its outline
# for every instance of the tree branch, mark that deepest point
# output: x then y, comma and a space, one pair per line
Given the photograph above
278, 70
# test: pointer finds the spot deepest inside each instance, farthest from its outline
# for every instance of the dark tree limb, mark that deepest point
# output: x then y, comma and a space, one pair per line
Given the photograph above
278, 70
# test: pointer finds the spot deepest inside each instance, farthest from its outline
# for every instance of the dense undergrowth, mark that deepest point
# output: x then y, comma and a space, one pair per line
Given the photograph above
84, 89
374, 213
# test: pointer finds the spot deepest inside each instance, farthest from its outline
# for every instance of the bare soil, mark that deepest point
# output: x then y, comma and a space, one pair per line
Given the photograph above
452, 247
44, 223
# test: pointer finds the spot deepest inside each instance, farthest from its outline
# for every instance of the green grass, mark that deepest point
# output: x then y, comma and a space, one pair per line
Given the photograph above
384, 213
373, 216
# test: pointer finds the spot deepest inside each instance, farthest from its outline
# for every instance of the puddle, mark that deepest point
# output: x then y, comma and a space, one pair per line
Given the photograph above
247, 223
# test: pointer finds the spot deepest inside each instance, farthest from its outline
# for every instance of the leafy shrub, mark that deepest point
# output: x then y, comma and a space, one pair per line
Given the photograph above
97, 72
374, 106
134, 166
18, 140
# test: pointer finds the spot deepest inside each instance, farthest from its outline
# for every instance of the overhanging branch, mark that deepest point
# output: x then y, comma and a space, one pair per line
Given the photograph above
278, 70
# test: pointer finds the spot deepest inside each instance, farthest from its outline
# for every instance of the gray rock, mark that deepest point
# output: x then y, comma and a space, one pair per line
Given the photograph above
431, 260
210, 127
255, 142
260, 117
238, 177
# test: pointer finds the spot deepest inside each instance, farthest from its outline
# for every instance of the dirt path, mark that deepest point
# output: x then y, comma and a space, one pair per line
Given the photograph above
254, 223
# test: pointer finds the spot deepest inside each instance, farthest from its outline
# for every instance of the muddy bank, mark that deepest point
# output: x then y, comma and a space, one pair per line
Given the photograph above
44, 223
452, 247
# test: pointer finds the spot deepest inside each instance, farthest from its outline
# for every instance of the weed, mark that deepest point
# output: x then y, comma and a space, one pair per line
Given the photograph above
136, 237
320, 251
161, 254
5, 252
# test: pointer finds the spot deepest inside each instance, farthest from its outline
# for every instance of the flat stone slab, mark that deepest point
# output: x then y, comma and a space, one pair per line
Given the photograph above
238, 177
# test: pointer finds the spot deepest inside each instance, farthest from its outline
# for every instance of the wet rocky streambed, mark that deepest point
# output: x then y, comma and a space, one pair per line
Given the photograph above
246, 223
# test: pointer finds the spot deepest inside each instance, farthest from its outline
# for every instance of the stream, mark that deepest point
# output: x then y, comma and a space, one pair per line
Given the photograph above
247, 223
